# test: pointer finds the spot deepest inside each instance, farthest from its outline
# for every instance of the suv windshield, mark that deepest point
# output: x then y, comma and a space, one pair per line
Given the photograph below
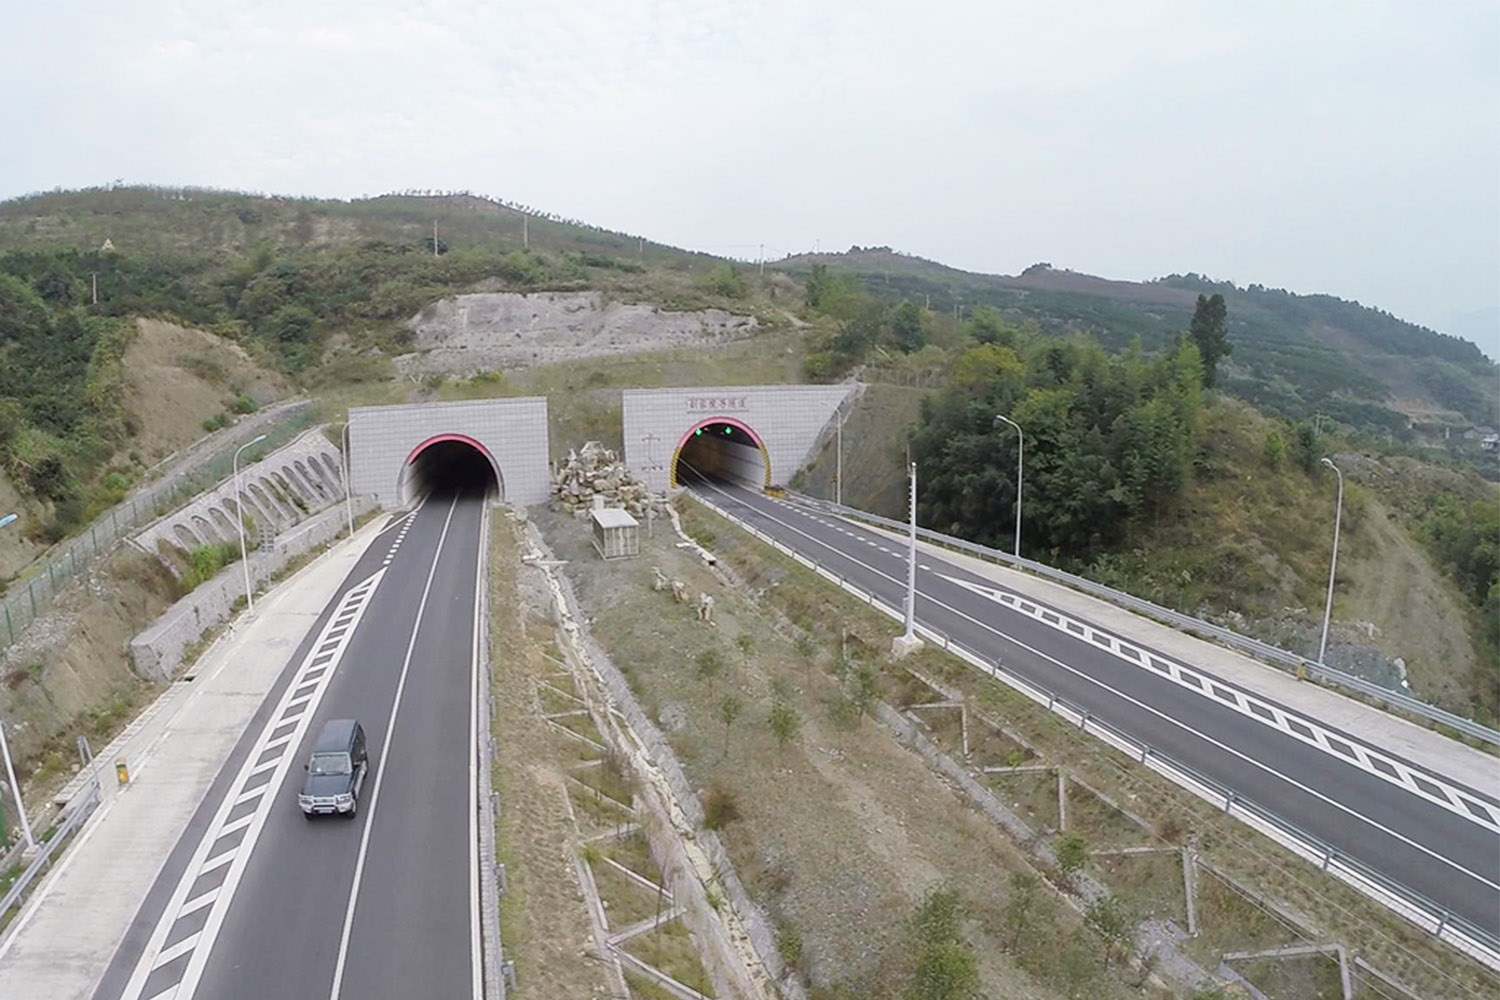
330, 763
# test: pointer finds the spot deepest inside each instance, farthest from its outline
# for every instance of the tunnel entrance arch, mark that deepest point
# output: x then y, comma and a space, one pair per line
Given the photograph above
389, 445
450, 462
722, 448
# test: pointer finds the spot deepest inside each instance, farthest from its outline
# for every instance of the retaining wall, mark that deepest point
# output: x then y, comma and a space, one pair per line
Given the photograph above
279, 491
157, 652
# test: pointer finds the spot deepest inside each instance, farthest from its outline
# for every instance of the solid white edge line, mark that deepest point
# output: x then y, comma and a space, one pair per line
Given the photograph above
385, 752
171, 912
1162, 715
476, 939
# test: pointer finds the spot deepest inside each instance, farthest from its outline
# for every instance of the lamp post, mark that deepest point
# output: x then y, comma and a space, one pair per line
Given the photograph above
838, 471
911, 564
344, 468
239, 520
10, 767
1333, 564
1020, 474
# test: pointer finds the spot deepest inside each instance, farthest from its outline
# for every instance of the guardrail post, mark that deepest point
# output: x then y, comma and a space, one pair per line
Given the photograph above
1083, 720
1327, 858
1442, 924
1229, 801
1145, 752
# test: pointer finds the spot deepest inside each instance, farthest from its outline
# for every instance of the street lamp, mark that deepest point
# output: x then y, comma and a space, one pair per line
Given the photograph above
1020, 473
239, 519
344, 468
10, 767
1333, 564
911, 564
838, 473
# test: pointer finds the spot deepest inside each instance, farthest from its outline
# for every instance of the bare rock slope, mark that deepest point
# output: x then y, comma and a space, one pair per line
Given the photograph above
491, 331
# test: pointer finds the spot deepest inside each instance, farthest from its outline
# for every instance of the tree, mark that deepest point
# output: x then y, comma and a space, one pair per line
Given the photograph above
1306, 448
729, 710
1275, 449
1115, 923
1025, 892
865, 688
989, 327
1210, 331
907, 328
1072, 854
784, 723
946, 969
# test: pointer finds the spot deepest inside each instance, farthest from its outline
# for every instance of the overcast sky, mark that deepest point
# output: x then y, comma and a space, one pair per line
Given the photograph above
1350, 148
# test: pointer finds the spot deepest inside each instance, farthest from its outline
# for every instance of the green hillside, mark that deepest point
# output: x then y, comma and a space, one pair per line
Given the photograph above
1295, 355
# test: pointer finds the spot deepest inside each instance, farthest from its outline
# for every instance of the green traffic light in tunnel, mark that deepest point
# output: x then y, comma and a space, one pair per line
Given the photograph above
698, 432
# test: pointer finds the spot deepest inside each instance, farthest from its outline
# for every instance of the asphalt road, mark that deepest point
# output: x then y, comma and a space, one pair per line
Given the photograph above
385, 902
1442, 855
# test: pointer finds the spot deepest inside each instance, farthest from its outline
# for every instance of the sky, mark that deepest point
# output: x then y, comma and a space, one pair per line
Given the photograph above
1346, 148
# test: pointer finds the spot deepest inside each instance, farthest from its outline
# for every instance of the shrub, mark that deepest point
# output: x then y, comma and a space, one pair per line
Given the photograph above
719, 808
244, 404
727, 281
709, 662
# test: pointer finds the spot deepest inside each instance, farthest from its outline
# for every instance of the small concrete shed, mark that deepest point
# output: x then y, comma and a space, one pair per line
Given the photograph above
617, 535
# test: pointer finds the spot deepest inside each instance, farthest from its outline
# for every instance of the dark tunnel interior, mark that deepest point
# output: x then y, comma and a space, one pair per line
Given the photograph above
448, 468
721, 452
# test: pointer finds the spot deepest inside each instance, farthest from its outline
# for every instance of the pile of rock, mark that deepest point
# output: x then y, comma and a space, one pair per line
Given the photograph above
596, 471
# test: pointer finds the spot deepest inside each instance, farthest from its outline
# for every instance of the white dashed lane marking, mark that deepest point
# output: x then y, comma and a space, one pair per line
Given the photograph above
172, 960
1301, 728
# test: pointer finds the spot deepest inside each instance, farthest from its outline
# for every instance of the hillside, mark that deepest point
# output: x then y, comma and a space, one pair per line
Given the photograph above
211, 225
1247, 545
1294, 355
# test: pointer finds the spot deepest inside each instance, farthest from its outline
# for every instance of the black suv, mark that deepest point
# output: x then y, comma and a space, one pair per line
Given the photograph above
336, 772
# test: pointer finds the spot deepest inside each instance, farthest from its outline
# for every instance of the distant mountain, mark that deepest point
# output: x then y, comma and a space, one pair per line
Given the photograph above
1298, 355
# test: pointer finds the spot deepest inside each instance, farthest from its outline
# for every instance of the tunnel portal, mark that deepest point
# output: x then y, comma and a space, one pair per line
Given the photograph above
449, 465
723, 450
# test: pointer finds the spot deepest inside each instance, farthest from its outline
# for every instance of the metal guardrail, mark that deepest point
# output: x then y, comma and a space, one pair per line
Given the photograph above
29, 599
1274, 655
1466, 936
61, 833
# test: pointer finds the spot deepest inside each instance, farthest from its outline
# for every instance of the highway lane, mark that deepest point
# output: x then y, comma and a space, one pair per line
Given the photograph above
1445, 856
383, 903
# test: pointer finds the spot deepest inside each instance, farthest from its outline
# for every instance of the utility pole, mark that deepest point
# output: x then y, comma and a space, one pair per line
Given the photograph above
762, 260
94, 277
526, 233
640, 247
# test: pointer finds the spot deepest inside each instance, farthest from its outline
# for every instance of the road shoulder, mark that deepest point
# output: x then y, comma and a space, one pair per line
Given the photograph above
64, 940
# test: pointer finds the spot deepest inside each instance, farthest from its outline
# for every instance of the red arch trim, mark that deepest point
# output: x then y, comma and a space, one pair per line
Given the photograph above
764, 454
721, 420
461, 438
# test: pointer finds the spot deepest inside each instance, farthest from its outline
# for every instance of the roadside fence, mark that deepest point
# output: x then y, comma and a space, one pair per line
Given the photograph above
1274, 655
30, 597
1436, 919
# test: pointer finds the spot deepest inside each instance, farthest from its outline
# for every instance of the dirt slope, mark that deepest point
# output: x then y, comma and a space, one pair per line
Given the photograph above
176, 378
1419, 614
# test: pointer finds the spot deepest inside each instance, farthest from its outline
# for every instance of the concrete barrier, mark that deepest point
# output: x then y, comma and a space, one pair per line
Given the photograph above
157, 652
